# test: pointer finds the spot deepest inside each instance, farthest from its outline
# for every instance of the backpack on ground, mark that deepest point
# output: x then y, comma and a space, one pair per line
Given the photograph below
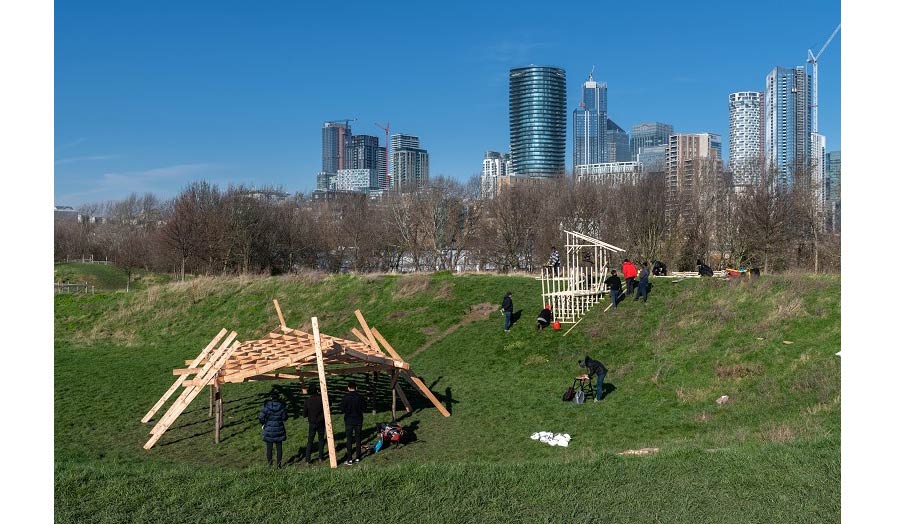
579, 397
569, 394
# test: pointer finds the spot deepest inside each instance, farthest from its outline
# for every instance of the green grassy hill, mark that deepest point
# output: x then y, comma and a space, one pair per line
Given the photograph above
772, 453
105, 277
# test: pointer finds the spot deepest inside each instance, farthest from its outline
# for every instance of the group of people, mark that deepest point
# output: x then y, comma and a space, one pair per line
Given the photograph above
274, 414
634, 279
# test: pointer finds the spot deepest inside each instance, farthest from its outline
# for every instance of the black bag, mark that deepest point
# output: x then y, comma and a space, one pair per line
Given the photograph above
569, 394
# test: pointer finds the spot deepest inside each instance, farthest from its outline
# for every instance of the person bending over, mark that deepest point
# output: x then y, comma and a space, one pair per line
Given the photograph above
594, 367
545, 317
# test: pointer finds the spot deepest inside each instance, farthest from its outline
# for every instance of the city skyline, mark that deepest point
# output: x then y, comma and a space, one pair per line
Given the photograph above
121, 124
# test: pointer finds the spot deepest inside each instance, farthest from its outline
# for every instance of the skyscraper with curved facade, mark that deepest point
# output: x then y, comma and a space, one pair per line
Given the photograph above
537, 121
745, 137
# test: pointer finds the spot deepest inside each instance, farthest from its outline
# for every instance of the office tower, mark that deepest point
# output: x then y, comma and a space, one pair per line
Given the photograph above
363, 153
335, 136
589, 124
746, 139
649, 134
537, 121
817, 165
833, 191
617, 147
494, 167
410, 163
653, 158
693, 160
787, 123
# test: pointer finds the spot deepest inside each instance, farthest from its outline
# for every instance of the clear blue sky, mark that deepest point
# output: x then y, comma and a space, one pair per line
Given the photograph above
152, 95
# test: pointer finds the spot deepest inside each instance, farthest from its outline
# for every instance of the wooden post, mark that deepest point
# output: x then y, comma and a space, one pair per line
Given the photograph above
215, 388
320, 364
278, 310
212, 399
393, 395
371, 388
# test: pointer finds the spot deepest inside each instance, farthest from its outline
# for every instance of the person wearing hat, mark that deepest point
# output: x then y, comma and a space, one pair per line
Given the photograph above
594, 367
272, 418
545, 317
315, 416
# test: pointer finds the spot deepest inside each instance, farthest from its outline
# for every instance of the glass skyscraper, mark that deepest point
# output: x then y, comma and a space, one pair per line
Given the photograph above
589, 125
537, 121
617, 148
649, 134
335, 137
787, 108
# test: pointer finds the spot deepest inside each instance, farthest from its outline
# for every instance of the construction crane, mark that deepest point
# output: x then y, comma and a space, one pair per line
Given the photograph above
814, 60
387, 151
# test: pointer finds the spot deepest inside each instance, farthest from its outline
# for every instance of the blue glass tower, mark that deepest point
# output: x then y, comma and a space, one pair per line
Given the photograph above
537, 121
589, 125
787, 109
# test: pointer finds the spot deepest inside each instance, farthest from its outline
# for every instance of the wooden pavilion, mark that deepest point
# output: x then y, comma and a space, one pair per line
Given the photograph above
226, 360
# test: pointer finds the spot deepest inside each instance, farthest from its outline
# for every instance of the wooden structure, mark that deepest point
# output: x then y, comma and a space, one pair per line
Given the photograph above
578, 284
285, 354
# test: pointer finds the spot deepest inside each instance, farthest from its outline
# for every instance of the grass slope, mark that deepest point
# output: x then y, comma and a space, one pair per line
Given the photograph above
105, 277
772, 453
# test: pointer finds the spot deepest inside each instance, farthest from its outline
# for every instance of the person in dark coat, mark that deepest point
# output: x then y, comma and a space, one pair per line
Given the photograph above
315, 416
643, 282
614, 284
594, 367
703, 269
545, 317
507, 308
353, 405
272, 418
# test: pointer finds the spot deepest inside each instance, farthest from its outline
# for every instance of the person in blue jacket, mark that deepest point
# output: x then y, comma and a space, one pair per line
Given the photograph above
272, 418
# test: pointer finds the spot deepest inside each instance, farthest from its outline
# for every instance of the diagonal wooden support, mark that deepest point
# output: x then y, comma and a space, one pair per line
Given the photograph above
365, 326
278, 310
174, 387
410, 376
326, 408
210, 371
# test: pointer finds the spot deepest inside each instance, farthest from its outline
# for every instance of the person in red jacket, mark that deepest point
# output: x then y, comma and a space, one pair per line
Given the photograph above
629, 271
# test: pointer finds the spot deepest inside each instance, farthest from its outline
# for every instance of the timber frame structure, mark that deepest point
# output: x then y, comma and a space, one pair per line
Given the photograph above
578, 284
225, 360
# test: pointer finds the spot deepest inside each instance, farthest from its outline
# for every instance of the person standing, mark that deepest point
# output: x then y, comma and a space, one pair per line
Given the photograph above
353, 406
614, 285
507, 308
554, 260
595, 367
643, 282
629, 272
315, 416
272, 418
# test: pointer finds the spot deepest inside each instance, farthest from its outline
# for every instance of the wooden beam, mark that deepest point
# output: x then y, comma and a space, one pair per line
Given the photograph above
417, 383
393, 395
329, 434
174, 387
365, 326
362, 338
403, 398
185, 371
387, 346
366, 357
280, 316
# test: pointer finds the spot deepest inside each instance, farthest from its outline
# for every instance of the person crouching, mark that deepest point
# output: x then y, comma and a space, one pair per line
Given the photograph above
545, 317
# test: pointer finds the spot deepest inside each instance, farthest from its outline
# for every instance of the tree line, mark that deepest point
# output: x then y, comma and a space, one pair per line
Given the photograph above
211, 230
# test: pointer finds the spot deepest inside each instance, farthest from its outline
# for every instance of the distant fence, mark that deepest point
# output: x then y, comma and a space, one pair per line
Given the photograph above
87, 260
72, 289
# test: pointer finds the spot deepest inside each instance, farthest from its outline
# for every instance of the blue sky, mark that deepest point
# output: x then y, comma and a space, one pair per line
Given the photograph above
152, 95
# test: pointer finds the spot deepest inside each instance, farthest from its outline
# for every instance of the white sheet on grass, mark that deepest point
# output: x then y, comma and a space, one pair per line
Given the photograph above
548, 437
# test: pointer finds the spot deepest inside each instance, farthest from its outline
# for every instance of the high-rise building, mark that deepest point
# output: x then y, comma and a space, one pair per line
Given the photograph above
649, 134
410, 163
613, 173
817, 165
745, 136
537, 121
589, 124
356, 180
787, 108
494, 168
693, 160
617, 147
833, 176
381, 168
653, 158
362, 153
335, 137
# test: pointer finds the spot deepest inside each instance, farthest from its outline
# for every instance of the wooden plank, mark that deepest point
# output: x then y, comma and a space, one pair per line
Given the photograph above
278, 310
185, 371
387, 346
368, 357
423, 389
362, 338
326, 408
365, 326
174, 387
216, 360
393, 395
403, 398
